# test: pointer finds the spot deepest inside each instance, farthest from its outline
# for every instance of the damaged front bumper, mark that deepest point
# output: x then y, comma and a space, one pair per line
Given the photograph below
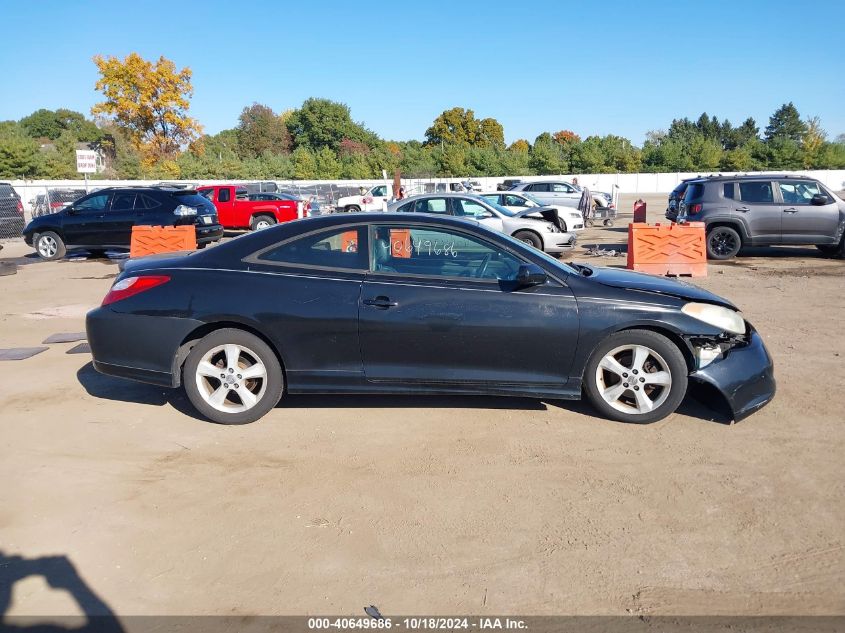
744, 375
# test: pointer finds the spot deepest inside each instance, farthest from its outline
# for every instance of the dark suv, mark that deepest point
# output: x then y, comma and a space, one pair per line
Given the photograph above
675, 197
104, 219
11, 212
764, 210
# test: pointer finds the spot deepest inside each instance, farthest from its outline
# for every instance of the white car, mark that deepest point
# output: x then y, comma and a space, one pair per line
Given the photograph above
572, 219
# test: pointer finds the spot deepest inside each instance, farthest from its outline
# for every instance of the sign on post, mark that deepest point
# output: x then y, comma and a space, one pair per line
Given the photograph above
86, 161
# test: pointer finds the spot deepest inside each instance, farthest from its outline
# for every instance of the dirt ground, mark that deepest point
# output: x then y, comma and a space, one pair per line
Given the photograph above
441, 505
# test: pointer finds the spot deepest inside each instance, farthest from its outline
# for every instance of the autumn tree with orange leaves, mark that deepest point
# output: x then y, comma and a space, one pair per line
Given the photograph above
150, 102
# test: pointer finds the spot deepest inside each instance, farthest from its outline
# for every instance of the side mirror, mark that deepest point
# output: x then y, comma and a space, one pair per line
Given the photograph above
70, 210
819, 200
484, 214
530, 275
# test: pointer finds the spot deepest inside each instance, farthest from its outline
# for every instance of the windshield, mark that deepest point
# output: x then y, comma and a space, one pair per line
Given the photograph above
553, 261
505, 212
528, 196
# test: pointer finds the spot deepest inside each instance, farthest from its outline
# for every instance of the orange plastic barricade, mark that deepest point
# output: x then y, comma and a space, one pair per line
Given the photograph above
668, 249
400, 242
349, 241
149, 240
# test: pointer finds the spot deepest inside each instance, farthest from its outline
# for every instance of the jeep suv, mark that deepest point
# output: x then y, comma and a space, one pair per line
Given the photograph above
764, 210
104, 219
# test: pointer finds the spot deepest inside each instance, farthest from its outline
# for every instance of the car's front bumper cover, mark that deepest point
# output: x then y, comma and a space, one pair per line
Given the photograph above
744, 376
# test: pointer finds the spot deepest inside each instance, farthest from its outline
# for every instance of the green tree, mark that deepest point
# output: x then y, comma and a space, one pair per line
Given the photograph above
786, 123
50, 124
813, 144
452, 160
324, 123
459, 126
490, 133
304, 164
259, 130
18, 152
546, 156
59, 162
328, 167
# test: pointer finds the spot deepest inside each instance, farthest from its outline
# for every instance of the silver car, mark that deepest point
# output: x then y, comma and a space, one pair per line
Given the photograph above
541, 232
560, 193
570, 218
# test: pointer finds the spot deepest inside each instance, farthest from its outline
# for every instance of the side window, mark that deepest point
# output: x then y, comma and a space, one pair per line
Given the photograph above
439, 252
93, 204
146, 202
798, 191
431, 205
494, 198
728, 190
468, 208
123, 201
760, 192
241, 194
540, 186
515, 201
559, 187
379, 192
406, 208
224, 195
336, 248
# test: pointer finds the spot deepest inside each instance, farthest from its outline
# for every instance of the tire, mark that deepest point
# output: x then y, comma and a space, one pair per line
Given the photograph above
835, 251
723, 242
563, 227
50, 246
653, 401
220, 399
352, 208
260, 222
608, 222
588, 224
529, 238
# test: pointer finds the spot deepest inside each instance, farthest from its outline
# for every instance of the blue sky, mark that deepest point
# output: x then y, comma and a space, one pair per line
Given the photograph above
622, 67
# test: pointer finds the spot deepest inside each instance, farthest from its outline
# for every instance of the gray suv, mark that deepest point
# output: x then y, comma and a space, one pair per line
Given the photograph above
764, 210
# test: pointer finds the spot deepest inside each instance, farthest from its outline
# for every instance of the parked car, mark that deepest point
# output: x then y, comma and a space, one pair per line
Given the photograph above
543, 233
54, 200
675, 198
104, 219
570, 219
11, 211
372, 199
237, 211
559, 193
400, 303
765, 210
506, 184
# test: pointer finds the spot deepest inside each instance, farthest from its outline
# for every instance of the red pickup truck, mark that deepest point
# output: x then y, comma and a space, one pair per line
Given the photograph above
236, 211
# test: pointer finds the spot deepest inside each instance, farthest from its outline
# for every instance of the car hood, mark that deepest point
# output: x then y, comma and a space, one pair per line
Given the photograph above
630, 280
548, 214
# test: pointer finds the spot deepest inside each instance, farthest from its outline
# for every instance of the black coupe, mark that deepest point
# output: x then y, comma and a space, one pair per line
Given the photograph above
392, 303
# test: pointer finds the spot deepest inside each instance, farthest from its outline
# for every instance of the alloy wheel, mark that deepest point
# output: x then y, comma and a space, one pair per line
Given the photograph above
231, 378
722, 242
262, 224
633, 379
47, 246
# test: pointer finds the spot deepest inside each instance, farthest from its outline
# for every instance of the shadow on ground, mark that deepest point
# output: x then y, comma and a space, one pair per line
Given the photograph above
699, 403
61, 575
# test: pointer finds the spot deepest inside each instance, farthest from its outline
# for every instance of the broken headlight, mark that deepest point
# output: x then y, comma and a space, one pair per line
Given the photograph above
717, 316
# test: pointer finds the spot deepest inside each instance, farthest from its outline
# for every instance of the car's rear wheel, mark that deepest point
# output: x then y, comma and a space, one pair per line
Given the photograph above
723, 242
529, 238
636, 376
233, 377
836, 251
352, 208
262, 222
50, 246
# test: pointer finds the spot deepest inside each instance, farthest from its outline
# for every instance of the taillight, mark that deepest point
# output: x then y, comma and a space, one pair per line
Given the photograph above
20, 207
694, 208
130, 286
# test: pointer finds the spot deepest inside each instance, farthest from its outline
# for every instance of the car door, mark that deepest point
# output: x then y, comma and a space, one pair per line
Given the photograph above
564, 194
802, 221
304, 291
760, 211
439, 307
542, 191
118, 219
83, 220
475, 210
376, 198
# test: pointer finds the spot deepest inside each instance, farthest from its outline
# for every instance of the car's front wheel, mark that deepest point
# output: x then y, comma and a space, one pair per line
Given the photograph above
529, 238
352, 208
260, 222
233, 377
636, 376
50, 246
723, 242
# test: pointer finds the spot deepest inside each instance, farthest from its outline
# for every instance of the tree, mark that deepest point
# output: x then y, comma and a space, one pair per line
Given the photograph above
18, 152
150, 102
520, 145
786, 123
260, 130
328, 167
304, 164
813, 144
323, 123
51, 124
460, 126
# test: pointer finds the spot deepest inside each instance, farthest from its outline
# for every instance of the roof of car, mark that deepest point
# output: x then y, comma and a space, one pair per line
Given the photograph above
721, 177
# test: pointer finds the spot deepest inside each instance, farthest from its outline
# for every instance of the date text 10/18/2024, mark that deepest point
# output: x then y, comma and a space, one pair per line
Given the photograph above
418, 623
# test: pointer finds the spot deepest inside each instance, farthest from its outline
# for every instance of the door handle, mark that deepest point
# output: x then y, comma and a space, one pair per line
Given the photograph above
790, 210
743, 209
380, 302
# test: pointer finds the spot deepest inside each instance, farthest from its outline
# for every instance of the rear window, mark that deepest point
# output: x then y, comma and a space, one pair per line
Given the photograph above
192, 199
694, 191
728, 190
678, 192
241, 194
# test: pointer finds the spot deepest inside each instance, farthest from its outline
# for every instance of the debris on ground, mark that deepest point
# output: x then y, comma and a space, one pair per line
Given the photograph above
597, 251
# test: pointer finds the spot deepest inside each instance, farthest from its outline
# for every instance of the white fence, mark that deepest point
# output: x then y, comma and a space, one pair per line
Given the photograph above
624, 183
